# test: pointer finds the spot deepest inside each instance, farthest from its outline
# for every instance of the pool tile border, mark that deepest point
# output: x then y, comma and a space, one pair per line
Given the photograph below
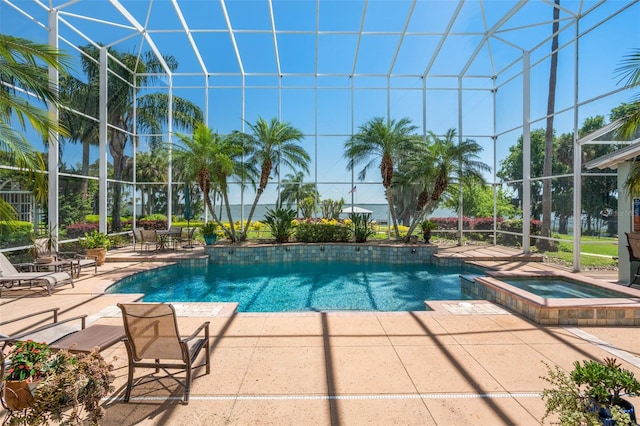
623, 311
275, 253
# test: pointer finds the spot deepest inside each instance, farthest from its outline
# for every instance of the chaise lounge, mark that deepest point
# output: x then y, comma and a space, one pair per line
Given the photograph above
9, 276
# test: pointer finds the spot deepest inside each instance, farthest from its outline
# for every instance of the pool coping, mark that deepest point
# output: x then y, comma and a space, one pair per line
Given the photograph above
566, 311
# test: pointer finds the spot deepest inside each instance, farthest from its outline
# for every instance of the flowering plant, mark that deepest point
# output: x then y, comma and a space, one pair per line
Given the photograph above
28, 360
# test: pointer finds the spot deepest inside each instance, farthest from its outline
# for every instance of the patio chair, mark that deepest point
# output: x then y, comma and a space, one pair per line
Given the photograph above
175, 233
47, 333
9, 276
137, 238
149, 238
633, 245
153, 341
186, 237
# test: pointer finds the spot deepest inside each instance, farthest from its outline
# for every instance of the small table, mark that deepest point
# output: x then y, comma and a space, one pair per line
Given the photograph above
164, 237
57, 265
85, 340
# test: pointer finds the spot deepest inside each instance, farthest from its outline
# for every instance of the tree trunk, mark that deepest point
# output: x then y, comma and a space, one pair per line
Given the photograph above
543, 244
84, 186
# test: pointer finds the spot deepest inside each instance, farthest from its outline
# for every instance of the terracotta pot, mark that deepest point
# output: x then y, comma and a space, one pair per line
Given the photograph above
17, 394
99, 253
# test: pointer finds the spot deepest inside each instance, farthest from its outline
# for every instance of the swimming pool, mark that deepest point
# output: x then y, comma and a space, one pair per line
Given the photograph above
300, 286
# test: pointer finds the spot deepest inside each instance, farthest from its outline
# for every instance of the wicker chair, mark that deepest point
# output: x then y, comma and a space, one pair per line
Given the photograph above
153, 341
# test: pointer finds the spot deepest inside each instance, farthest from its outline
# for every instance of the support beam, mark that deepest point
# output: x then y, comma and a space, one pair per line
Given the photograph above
103, 141
54, 115
526, 153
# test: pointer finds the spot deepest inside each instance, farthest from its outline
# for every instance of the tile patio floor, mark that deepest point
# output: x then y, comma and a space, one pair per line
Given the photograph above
462, 364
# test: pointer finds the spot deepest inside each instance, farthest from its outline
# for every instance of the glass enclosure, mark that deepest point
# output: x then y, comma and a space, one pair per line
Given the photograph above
481, 68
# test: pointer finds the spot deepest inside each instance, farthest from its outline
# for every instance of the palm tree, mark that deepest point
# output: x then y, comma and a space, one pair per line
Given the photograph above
440, 163
294, 190
151, 167
629, 72
272, 145
20, 70
151, 114
209, 159
545, 243
386, 140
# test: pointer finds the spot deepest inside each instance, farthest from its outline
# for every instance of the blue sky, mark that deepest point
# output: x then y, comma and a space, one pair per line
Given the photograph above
383, 64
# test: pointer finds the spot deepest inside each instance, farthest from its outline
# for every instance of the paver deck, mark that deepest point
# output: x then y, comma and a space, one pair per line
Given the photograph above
464, 363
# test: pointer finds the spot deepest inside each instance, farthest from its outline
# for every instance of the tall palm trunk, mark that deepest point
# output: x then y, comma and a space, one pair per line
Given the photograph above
543, 244
386, 169
264, 179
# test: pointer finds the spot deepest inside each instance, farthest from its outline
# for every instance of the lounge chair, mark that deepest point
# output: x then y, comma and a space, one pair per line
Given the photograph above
153, 341
64, 334
47, 333
9, 276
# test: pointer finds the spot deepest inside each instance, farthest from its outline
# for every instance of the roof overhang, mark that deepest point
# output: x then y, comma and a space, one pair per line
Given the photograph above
611, 160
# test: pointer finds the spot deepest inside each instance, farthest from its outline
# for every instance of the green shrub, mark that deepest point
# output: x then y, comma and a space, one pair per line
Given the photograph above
361, 226
280, 222
322, 232
15, 234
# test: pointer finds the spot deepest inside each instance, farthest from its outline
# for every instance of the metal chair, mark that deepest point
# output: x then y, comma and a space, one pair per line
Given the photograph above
153, 341
149, 238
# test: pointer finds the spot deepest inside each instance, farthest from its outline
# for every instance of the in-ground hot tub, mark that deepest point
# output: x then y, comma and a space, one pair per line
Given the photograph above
557, 297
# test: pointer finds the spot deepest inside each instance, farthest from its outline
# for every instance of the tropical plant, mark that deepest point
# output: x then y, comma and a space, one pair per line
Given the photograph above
28, 360
439, 163
149, 116
361, 226
294, 191
70, 387
331, 209
95, 239
23, 85
271, 146
577, 397
280, 223
386, 140
629, 73
209, 159
209, 229
428, 226
308, 206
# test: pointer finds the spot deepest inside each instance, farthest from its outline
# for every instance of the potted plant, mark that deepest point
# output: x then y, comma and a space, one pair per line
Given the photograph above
63, 385
210, 232
28, 364
96, 244
43, 246
592, 393
427, 226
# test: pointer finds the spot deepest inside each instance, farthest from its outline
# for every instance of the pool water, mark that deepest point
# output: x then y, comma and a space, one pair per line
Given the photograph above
298, 286
557, 288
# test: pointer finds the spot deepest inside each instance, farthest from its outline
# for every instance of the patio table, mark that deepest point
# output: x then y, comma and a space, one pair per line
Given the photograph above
165, 236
